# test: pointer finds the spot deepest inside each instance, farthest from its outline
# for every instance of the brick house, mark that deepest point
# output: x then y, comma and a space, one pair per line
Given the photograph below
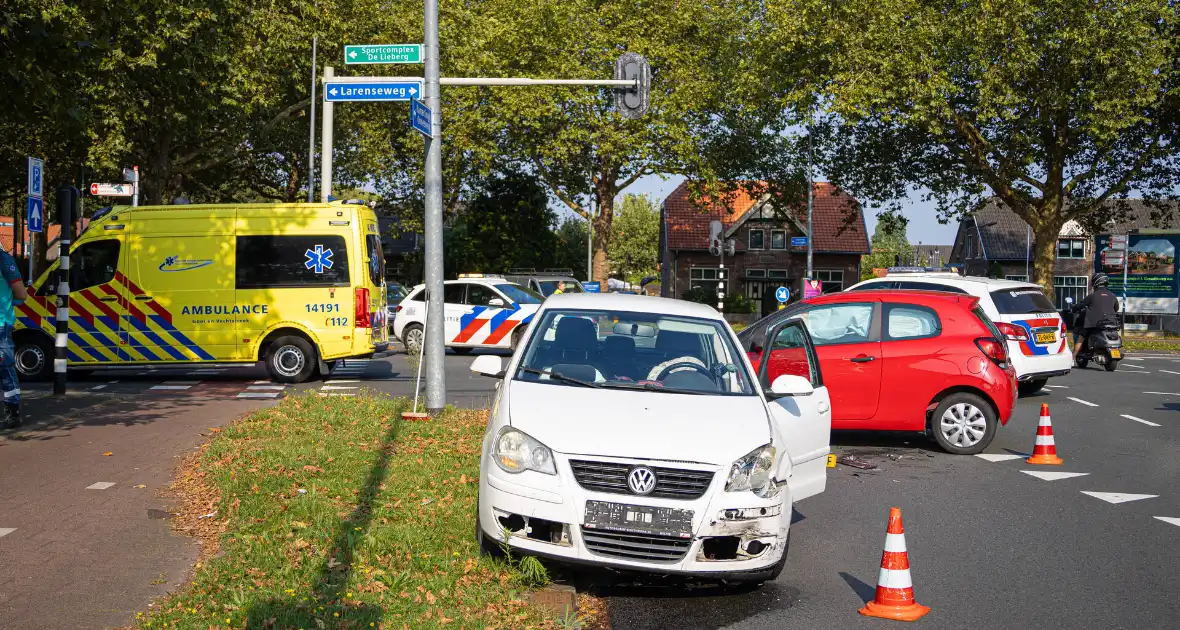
765, 257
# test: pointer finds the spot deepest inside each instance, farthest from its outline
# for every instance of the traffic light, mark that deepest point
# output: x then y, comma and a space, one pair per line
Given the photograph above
633, 102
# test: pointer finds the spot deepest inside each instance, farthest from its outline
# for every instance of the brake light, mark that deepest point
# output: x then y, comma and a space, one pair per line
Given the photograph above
1012, 331
993, 349
1064, 330
362, 308
397, 309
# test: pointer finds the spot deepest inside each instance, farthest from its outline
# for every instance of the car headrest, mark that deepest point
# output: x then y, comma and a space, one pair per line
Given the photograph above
575, 333
676, 341
571, 370
618, 346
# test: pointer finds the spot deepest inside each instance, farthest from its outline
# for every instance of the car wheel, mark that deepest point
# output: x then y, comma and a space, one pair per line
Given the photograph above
413, 338
462, 351
1111, 365
34, 358
1031, 387
964, 424
290, 359
487, 546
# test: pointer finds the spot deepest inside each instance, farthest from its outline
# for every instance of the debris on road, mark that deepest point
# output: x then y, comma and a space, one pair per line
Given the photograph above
856, 462
107, 454
209, 515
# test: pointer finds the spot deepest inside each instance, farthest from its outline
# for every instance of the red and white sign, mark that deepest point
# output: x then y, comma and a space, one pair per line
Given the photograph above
1118, 241
1113, 258
112, 190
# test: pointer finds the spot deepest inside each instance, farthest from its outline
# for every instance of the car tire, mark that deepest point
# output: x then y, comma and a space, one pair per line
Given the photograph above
34, 358
291, 359
413, 338
462, 351
487, 547
967, 413
1031, 387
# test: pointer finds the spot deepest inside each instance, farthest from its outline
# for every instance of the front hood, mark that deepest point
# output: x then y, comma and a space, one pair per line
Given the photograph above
617, 423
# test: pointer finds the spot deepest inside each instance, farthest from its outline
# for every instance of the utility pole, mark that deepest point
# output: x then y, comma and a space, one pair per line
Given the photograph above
326, 143
311, 128
435, 349
810, 185
590, 242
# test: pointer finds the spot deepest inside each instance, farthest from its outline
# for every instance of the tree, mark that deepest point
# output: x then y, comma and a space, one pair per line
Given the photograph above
889, 241
635, 239
508, 225
1058, 109
571, 246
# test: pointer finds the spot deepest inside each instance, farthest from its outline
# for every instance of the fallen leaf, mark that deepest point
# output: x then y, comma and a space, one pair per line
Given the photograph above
463, 479
298, 524
140, 486
313, 469
107, 454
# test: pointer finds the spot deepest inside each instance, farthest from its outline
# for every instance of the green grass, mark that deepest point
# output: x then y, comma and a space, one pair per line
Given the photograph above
336, 514
739, 327
1163, 344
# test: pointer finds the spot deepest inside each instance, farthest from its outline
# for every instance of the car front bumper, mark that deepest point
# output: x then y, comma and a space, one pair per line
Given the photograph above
548, 521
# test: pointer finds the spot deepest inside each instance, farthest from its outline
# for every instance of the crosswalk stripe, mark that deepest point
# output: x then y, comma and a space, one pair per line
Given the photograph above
259, 394
172, 387
265, 387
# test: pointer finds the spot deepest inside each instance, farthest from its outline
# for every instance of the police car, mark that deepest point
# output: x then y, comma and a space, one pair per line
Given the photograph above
480, 311
1034, 329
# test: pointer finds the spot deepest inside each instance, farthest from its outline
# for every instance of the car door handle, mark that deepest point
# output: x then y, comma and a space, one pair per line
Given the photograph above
861, 359
142, 298
823, 407
109, 299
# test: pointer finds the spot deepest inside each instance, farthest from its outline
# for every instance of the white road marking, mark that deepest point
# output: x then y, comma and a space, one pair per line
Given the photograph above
265, 387
261, 382
1119, 497
259, 394
998, 457
334, 394
336, 381
1134, 358
1163, 393
4, 531
1170, 372
1150, 424
332, 387
97, 387
101, 485
172, 387
182, 382
1052, 476
1058, 386
1137, 367
1084, 402
112, 382
1167, 519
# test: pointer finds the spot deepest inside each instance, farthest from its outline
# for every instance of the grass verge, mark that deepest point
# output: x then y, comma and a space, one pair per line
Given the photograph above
329, 512
1152, 345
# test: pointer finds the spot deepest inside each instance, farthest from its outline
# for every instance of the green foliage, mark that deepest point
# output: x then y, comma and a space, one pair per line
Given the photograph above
508, 225
700, 295
635, 238
889, 241
571, 246
738, 303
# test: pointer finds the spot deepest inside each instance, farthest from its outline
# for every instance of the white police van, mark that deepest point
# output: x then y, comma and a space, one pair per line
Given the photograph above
480, 311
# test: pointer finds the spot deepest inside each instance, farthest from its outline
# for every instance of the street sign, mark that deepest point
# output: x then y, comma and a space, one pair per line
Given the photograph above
112, 190
592, 287
1118, 241
375, 91
798, 241
36, 177
35, 219
782, 294
421, 118
383, 53
1113, 258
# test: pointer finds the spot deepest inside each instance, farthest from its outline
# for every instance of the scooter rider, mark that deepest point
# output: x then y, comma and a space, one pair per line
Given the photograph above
1100, 307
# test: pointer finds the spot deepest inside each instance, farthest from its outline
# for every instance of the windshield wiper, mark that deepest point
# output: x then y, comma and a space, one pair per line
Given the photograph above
561, 377
649, 387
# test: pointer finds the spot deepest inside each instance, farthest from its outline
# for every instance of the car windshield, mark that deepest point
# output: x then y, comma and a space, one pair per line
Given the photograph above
634, 350
549, 286
519, 294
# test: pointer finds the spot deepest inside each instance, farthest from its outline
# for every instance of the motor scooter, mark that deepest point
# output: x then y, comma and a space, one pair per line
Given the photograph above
1103, 346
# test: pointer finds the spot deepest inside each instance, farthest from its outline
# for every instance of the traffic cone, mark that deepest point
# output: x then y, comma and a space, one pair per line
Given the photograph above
895, 590
1045, 449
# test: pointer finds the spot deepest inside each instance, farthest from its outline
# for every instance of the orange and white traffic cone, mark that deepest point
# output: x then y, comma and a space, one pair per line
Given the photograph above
895, 589
1045, 449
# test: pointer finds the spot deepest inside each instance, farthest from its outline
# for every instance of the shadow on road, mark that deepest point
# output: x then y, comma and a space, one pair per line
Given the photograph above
882, 442
865, 592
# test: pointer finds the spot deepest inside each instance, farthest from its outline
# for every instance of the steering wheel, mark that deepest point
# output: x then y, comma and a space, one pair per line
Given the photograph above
684, 364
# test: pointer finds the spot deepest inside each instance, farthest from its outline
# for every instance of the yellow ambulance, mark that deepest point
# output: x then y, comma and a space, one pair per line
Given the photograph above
296, 286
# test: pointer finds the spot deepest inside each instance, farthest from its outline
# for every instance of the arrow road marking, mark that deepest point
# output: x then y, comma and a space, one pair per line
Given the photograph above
1167, 519
4, 531
1084, 402
1052, 476
998, 457
1119, 497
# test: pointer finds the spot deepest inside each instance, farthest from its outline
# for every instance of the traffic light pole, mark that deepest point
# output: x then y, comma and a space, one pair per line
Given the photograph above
434, 346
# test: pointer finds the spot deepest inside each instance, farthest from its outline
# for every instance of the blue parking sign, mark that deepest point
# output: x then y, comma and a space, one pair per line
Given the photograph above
782, 294
35, 220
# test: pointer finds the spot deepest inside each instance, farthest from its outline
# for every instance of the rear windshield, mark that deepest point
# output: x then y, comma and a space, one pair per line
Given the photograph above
1022, 300
376, 259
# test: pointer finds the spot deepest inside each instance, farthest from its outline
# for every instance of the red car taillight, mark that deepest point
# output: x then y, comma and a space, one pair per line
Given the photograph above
993, 349
362, 308
1064, 329
1012, 331
397, 309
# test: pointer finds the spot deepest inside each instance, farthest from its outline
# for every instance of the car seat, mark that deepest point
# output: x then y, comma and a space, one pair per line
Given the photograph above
619, 359
574, 341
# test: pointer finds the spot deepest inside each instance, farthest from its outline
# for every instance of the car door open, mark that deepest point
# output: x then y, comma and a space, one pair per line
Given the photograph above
800, 409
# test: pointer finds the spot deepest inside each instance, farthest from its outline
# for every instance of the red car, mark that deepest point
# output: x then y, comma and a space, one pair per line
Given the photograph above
899, 361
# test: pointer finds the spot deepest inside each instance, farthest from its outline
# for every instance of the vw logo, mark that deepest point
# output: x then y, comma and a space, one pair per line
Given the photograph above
641, 480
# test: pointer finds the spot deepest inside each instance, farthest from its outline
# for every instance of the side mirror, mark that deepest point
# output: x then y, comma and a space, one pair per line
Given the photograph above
488, 365
789, 385
497, 302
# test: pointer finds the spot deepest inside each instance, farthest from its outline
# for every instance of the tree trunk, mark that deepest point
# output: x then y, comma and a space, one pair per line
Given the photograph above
292, 192
602, 226
1044, 263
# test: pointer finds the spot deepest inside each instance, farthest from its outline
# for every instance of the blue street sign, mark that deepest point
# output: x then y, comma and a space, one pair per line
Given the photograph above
592, 287
798, 241
421, 118
35, 219
782, 294
375, 91
36, 177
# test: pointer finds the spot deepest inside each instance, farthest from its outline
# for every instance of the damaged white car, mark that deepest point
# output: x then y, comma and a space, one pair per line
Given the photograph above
628, 432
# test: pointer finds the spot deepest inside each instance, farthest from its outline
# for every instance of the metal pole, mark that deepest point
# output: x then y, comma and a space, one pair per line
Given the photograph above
1027, 252
434, 350
311, 128
326, 142
67, 198
590, 243
135, 189
810, 185
1126, 263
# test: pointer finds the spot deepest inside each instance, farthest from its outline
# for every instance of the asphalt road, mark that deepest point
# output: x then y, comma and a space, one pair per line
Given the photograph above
989, 545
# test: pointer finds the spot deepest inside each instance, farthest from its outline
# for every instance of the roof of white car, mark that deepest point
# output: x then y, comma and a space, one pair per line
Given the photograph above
992, 284
635, 303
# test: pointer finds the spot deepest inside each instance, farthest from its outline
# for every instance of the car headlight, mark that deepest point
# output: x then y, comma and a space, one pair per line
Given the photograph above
752, 472
516, 452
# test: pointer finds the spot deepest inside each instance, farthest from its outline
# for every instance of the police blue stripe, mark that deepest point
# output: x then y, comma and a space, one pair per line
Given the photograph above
102, 338
179, 336
470, 317
152, 337
499, 319
528, 319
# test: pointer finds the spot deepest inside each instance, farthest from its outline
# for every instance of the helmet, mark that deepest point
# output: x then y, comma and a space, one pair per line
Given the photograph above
1099, 280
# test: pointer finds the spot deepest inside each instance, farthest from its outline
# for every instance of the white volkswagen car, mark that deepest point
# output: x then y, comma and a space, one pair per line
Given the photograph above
630, 432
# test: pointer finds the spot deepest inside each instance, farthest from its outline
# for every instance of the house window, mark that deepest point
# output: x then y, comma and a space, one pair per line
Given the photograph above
755, 273
777, 274
1017, 278
778, 239
757, 239
1071, 248
703, 277
1075, 287
832, 279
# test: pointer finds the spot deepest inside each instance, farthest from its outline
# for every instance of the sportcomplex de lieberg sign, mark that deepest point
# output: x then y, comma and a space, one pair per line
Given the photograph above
1152, 284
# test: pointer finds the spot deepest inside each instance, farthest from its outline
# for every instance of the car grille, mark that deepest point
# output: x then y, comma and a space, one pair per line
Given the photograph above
635, 546
671, 483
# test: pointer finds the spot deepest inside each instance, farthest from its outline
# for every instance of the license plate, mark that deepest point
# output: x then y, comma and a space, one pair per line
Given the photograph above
639, 519
1046, 337
1115, 354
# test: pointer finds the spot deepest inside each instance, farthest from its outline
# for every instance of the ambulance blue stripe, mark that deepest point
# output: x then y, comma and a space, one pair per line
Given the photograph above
76, 339
179, 336
109, 321
28, 322
73, 357
154, 338
106, 342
